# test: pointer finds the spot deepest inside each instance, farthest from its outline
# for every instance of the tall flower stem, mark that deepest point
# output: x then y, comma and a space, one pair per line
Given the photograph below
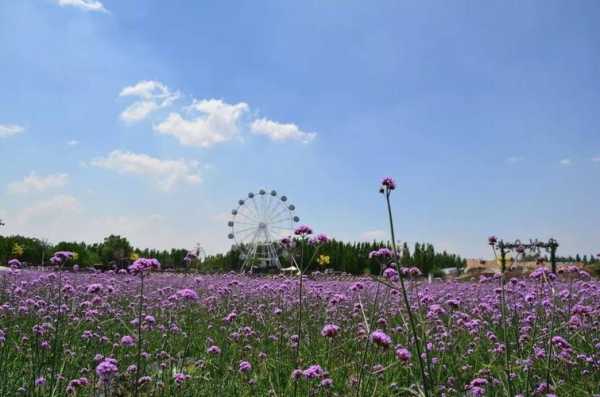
411, 318
505, 335
56, 349
369, 325
139, 339
301, 286
549, 358
507, 351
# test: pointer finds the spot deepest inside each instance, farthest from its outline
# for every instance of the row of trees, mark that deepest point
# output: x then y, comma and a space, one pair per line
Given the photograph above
117, 251
354, 257
114, 251
588, 260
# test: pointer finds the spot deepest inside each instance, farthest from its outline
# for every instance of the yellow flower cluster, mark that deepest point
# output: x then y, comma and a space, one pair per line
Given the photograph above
324, 260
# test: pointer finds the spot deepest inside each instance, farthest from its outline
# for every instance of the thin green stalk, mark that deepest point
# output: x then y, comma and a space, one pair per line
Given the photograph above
369, 326
405, 297
549, 358
507, 359
507, 352
139, 341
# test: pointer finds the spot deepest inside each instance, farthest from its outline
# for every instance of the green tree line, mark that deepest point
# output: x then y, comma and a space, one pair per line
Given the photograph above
117, 252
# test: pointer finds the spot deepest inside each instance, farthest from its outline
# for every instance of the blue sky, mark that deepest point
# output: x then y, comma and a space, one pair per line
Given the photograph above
151, 119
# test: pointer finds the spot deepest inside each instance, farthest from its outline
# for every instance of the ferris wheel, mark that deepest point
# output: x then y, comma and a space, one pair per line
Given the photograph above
199, 252
258, 223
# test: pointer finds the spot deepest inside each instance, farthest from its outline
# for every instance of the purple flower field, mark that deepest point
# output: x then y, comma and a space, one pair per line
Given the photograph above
234, 335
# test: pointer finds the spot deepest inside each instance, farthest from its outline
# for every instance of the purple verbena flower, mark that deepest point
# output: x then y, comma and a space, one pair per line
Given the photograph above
245, 367
403, 354
313, 372
127, 341
107, 369
330, 330
381, 338
303, 231
388, 183
187, 294
319, 239
390, 273
144, 265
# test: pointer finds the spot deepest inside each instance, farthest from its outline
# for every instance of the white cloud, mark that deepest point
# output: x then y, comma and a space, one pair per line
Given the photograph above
7, 130
37, 183
64, 218
513, 160
280, 132
218, 122
371, 235
165, 173
49, 210
73, 142
86, 5
153, 95
566, 162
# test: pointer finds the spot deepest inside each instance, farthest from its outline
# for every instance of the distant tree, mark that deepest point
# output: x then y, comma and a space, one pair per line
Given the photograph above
115, 250
405, 260
17, 250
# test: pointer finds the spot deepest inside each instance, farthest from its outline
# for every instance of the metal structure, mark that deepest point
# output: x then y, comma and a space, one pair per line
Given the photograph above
534, 246
199, 252
258, 223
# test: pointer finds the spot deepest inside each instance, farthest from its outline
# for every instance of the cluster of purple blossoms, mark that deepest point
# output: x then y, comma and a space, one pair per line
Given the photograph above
542, 273
245, 367
61, 257
303, 231
330, 330
214, 350
410, 271
381, 338
296, 374
287, 242
180, 378
15, 264
107, 369
391, 274
492, 240
565, 350
403, 354
75, 384
144, 379
144, 265
387, 184
127, 341
94, 288
319, 239
475, 387
187, 294
313, 372
381, 253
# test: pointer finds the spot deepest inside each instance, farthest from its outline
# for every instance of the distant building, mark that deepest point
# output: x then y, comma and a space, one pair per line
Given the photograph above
450, 271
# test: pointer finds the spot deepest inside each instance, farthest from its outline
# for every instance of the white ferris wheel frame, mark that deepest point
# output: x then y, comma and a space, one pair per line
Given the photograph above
258, 223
